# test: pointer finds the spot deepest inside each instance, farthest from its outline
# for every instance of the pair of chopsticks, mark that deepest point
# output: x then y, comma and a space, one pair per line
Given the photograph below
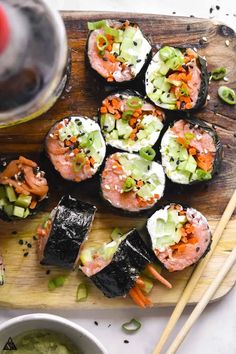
231, 259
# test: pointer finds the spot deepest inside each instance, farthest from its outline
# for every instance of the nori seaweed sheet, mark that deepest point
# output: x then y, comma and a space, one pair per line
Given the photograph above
70, 226
102, 80
118, 277
219, 148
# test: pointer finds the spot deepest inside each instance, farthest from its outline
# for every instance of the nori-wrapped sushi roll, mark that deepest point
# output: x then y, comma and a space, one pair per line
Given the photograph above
22, 187
62, 234
116, 51
132, 183
76, 148
191, 151
129, 122
177, 79
180, 236
116, 267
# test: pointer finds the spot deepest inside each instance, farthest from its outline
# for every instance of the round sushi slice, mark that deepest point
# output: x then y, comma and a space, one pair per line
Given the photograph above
63, 233
22, 187
116, 267
76, 148
132, 183
180, 236
129, 122
177, 79
191, 151
116, 51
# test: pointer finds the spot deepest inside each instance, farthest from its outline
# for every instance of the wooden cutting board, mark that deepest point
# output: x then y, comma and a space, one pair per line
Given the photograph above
26, 280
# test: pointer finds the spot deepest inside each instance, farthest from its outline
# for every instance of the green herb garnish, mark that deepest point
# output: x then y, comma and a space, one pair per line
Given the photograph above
131, 326
227, 94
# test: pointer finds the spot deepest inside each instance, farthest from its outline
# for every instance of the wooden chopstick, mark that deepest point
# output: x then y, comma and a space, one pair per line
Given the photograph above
185, 296
231, 259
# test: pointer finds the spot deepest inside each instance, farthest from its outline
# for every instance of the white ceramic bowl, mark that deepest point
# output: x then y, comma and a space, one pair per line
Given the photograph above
86, 342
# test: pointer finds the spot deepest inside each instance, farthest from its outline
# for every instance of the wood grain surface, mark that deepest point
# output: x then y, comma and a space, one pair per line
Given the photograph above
26, 280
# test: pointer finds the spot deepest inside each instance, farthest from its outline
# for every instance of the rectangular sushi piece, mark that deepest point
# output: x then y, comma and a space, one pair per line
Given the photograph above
61, 236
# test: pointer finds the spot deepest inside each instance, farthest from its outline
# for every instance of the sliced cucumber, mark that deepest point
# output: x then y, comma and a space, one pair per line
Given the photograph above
26, 213
145, 192
3, 193
11, 195
158, 81
168, 98
191, 164
8, 209
18, 211
23, 201
108, 122
3, 202
123, 128
164, 68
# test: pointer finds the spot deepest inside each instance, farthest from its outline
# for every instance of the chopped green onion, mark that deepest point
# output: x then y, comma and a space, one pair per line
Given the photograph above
129, 184
102, 38
82, 292
126, 115
79, 161
218, 73
56, 282
96, 25
131, 326
147, 153
203, 175
116, 234
188, 137
227, 94
116, 33
134, 102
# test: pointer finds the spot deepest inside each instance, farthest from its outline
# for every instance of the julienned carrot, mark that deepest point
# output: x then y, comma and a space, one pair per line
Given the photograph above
158, 276
136, 298
33, 204
142, 297
140, 283
103, 109
204, 161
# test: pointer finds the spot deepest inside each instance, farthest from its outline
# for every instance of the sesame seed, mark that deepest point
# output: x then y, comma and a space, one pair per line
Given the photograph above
225, 78
107, 187
227, 43
51, 135
208, 97
204, 39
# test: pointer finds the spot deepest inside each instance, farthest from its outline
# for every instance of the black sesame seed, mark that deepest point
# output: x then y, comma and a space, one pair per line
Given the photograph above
173, 12
35, 238
109, 325
121, 97
29, 245
130, 65
138, 60
191, 16
104, 59
21, 242
135, 43
96, 323
211, 10
217, 7
126, 341
197, 249
48, 271
155, 90
26, 254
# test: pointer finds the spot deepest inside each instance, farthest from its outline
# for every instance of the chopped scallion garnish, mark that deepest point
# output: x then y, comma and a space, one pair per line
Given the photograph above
82, 292
132, 326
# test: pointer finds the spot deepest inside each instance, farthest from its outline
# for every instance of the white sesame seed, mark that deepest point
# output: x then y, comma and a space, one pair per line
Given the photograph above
114, 166
204, 39
51, 135
225, 78
208, 97
71, 154
227, 43
107, 187
206, 151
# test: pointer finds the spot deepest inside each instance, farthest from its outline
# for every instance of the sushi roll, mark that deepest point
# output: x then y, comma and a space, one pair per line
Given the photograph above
76, 148
117, 51
177, 79
132, 183
22, 187
129, 122
62, 234
180, 236
191, 151
116, 267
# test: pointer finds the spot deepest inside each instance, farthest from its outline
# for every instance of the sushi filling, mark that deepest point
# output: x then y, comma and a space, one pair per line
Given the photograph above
22, 186
132, 183
76, 148
117, 50
188, 153
180, 237
173, 78
130, 123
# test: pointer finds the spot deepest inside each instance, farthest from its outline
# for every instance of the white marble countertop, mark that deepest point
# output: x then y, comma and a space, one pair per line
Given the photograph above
214, 332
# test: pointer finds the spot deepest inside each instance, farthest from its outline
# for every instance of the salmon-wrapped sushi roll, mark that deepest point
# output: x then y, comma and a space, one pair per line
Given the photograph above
131, 183
129, 122
76, 148
191, 151
177, 79
117, 51
180, 236
22, 187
